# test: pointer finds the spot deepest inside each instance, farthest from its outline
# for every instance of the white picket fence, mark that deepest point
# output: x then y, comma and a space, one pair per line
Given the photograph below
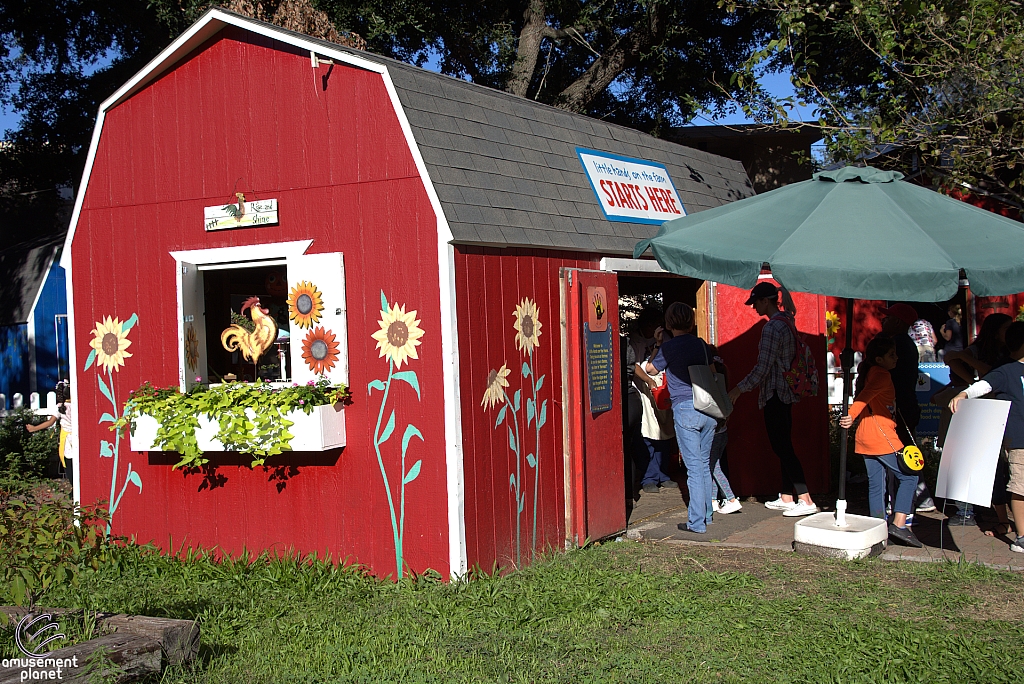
18, 401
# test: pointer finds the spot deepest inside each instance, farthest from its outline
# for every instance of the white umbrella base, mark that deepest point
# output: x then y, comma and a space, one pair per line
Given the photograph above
862, 536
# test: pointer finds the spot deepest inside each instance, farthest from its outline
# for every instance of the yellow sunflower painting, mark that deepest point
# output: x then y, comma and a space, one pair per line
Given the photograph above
832, 323
399, 335
495, 394
305, 304
110, 340
320, 350
527, 326
191, 348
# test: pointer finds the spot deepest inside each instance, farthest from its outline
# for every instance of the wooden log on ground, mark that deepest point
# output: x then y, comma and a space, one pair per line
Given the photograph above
178, 639
118, 658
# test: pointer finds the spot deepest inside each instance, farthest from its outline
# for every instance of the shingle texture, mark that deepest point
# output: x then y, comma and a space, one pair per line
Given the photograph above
23, 269
507, 173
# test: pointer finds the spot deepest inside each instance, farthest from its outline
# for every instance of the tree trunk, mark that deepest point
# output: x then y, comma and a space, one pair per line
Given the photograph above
528, 48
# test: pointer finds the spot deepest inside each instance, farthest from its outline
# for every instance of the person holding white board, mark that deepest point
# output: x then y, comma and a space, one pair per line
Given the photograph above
1007, 381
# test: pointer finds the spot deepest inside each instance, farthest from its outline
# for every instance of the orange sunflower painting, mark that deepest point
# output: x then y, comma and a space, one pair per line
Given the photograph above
320, 350
305, 304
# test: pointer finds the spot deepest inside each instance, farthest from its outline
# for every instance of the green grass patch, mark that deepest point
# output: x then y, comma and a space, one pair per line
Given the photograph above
617, 612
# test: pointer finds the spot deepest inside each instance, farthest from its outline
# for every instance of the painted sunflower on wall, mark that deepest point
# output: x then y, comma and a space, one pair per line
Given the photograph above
496, 382
399, 335
320, 350
305, 304
110, 342
527, 326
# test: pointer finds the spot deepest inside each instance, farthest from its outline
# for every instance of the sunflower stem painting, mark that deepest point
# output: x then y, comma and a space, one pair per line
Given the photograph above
527, 339
109, 350
397, 339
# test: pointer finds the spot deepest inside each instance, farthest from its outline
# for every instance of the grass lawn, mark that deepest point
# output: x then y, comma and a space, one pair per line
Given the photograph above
618, 612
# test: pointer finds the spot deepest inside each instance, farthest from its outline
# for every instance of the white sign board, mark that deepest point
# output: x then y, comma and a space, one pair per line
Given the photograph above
631, 190
240, 215
971, 451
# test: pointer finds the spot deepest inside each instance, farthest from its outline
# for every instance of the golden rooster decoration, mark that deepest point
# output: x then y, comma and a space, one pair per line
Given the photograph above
251, 344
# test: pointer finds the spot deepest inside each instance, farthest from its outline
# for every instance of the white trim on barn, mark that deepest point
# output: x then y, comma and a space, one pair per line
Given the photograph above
206, 27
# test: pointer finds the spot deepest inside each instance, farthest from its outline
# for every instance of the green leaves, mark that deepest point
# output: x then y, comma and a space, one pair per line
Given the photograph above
384, 302
409, 377
251, 418
89, 360
388, 429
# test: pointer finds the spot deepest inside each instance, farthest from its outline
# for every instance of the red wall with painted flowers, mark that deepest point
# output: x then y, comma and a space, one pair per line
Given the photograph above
246, 113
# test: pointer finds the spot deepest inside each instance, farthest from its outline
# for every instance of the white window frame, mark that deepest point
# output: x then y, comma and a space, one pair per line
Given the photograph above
216, 258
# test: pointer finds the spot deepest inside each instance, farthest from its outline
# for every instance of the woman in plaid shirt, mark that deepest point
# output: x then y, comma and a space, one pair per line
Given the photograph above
774, 357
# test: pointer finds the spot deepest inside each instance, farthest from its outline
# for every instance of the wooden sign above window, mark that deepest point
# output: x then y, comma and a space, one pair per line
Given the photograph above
240, 214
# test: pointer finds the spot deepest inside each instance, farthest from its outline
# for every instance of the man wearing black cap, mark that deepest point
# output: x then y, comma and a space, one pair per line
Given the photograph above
775, 354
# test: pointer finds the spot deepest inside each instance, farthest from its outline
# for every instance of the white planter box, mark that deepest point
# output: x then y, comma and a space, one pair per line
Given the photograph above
322, 429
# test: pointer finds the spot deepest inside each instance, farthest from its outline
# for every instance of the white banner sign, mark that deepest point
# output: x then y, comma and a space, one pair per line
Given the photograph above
971, 450
240, 214
629, 189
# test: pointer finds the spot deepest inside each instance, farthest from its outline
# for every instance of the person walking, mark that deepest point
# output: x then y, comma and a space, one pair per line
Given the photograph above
951, 331
897, 324
877, 440
65, 416
729, 502
695, 431
1007, 381
655, 424
775, 353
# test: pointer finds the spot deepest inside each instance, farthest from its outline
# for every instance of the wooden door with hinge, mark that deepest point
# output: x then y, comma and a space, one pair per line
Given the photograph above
594, 503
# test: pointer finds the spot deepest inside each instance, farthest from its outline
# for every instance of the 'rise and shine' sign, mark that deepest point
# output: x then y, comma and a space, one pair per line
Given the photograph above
631, 190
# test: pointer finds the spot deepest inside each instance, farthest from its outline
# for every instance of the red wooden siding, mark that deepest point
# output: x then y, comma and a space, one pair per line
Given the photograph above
753, 466
489, 284
245, 113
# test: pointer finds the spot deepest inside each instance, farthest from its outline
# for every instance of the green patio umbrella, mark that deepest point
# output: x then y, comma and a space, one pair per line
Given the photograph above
858, 233
855, 232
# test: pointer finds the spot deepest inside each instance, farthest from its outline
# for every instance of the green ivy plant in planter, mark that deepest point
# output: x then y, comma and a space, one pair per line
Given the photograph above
261, 432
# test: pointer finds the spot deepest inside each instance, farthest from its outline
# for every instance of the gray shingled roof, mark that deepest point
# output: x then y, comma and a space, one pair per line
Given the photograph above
23, 268
506, 170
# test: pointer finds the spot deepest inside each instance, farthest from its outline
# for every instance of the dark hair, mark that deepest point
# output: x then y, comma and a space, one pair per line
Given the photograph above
649, 315
954, 312
990, 349
879, 346
1015, 336
63, 392
679, 316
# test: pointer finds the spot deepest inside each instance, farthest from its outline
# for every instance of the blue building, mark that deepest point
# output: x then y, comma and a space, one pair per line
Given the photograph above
33, 318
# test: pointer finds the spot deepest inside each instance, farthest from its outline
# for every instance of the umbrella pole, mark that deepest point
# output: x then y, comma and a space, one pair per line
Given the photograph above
846, 361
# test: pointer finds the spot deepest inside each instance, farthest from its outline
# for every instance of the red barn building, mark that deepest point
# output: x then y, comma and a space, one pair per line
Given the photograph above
463, 258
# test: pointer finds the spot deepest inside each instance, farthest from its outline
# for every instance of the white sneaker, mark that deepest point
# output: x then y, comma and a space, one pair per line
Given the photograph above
780, 505
801, 508
730, 506
715, 506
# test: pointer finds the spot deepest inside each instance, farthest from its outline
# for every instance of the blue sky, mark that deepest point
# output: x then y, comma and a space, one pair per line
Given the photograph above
777, 84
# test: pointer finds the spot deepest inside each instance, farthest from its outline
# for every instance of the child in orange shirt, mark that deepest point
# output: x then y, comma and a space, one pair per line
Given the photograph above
877, 440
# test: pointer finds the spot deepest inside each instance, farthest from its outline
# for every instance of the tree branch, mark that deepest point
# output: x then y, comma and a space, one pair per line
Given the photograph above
623, 54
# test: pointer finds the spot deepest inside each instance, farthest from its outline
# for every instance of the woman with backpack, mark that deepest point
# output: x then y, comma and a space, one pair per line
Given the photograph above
775, 354
877, 440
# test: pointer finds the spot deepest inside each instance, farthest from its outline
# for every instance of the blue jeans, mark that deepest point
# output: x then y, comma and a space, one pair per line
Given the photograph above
695, 433
717, 449
877, 467
658, 450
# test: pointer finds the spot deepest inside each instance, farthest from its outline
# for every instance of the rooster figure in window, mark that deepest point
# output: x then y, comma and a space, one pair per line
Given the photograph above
251, 344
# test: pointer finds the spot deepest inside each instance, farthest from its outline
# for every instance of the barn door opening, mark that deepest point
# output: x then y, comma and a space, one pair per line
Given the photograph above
595, 507
656, 291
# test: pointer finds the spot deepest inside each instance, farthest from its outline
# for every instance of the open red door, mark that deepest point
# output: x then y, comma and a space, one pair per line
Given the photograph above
594, 501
